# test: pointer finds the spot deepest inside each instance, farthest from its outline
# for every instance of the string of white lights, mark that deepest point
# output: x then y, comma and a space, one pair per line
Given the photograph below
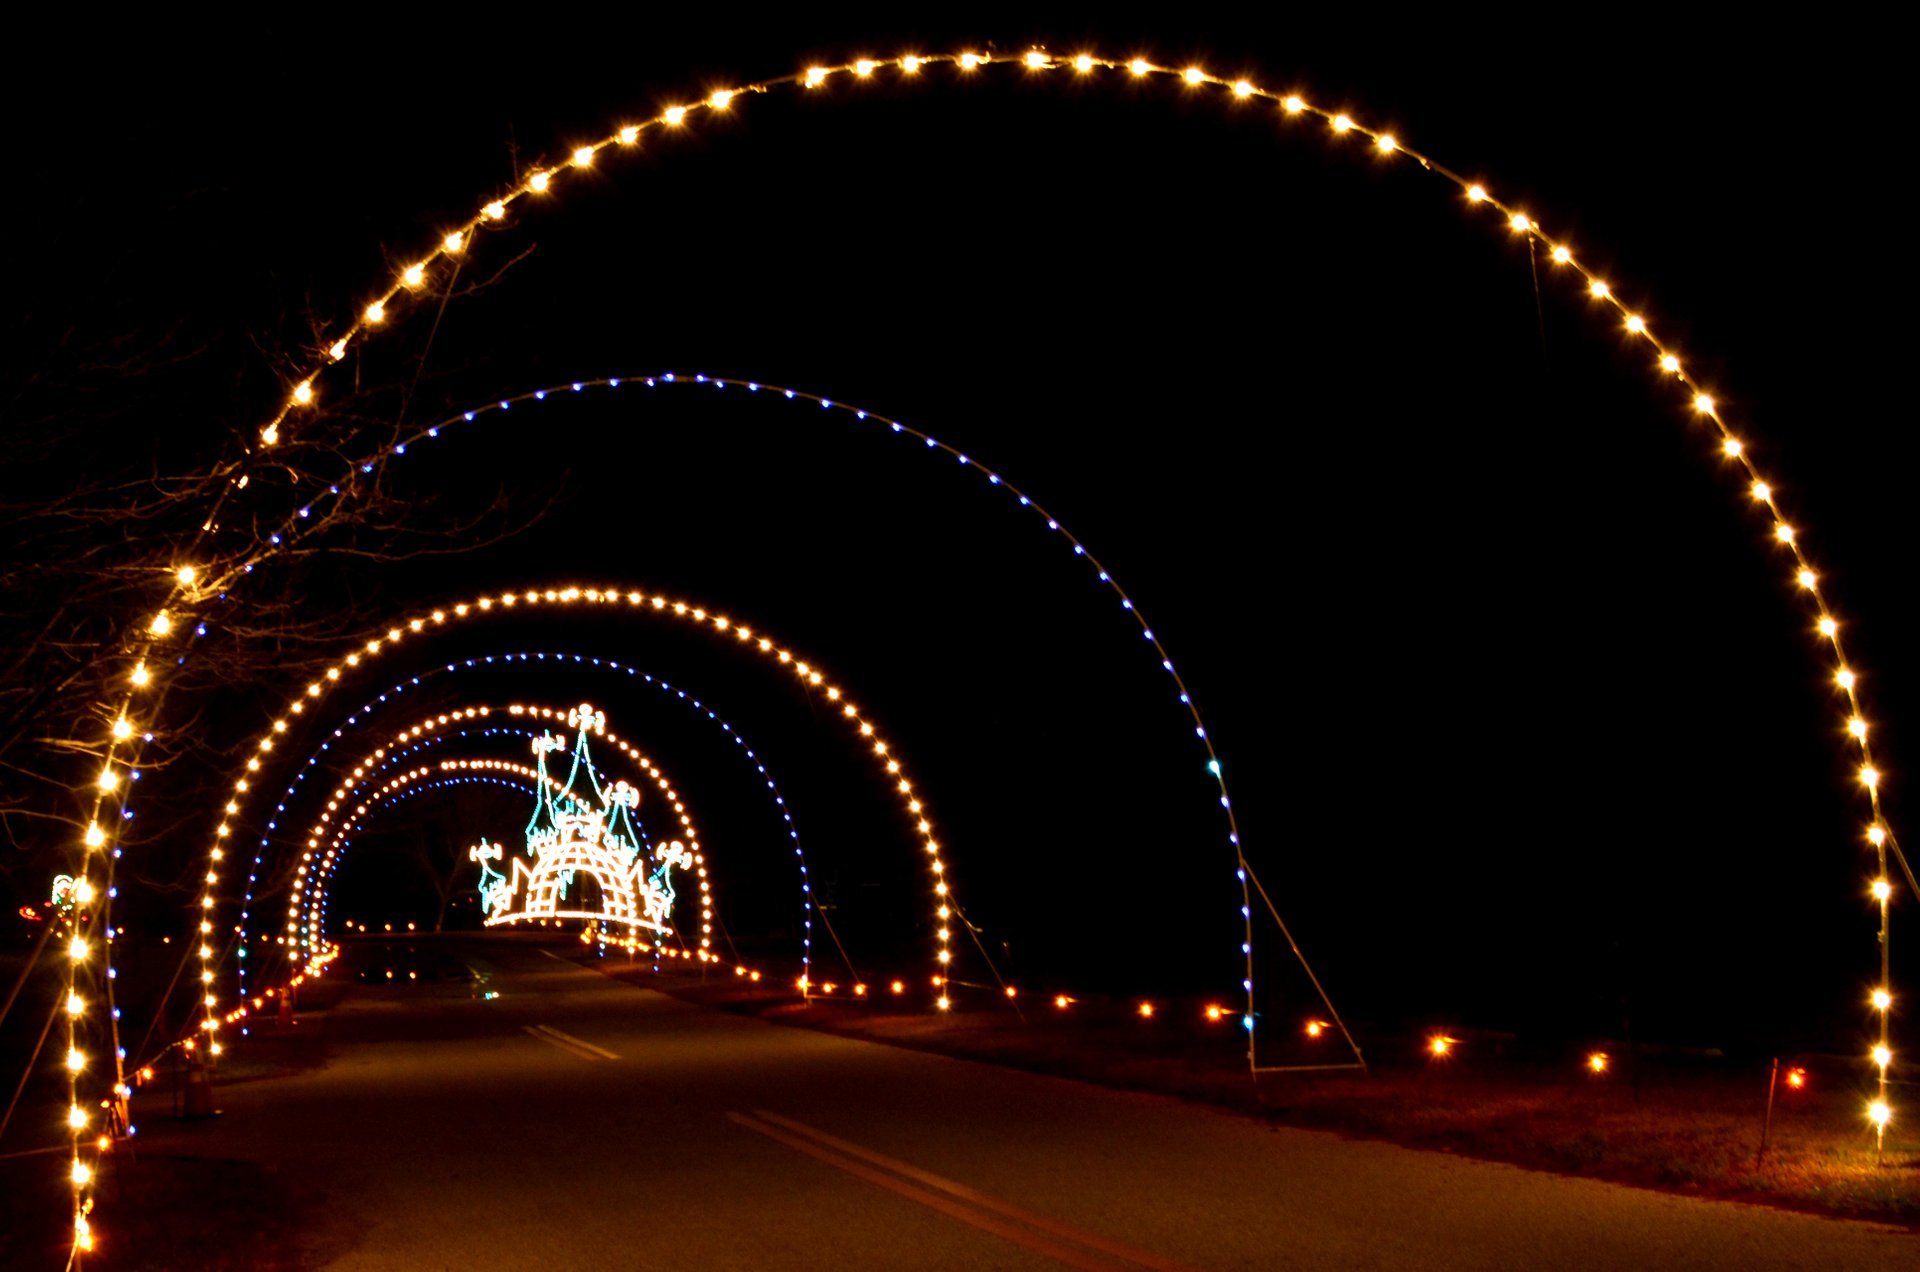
508, 660
654, 606
967, 463
139, 700
319, 855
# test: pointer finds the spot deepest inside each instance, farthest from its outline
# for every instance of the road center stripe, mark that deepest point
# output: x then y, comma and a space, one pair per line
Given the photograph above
567, 1042
984, 1200
821, 1146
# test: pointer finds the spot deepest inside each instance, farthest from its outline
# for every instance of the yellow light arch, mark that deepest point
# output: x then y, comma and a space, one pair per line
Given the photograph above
319, 853
195, 583
652, 605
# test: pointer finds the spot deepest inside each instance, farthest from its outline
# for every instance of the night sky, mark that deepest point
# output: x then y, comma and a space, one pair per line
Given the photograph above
1523, 724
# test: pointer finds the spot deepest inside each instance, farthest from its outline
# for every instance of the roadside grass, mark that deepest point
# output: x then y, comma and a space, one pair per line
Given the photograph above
1679, 1124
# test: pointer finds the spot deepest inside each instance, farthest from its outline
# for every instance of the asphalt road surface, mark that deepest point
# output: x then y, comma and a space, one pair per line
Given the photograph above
575, 1121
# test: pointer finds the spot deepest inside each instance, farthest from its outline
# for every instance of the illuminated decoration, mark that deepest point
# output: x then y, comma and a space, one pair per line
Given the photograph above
966, 463
312, 922
304, 926
562, 600
1598, 1062
362, 714
1440, 1046
571, 835
61, 895
148, 632
1293, 106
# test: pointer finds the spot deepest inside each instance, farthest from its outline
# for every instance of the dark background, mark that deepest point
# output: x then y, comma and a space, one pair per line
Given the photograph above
1524, 725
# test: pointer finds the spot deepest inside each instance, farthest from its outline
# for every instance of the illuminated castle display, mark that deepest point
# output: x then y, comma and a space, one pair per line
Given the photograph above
580, 828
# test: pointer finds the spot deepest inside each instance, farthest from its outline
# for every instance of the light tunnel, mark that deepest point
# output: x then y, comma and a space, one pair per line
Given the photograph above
327, 839
559, 600
810, 406
574, 662
138, 697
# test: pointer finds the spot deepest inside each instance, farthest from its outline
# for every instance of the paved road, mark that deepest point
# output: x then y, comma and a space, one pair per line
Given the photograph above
577, 1121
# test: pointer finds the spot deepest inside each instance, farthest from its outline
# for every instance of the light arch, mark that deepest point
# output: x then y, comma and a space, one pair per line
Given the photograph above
966, 462
573, 661
325, 837
135, 702
654, 605
442, 774
545, 179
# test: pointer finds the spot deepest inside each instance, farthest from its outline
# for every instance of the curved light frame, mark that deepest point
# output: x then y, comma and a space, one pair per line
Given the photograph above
655, 605
442, 775
529, 657
120, 750
301, 920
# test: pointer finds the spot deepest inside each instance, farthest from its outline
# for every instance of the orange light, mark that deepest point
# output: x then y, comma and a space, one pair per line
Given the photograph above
1062, 1001
1215, 1011
1598, 1061
1012, 992
859, 991
1440, 1046
1315, 1028
1796, 1078
1146, 1011
898, 987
